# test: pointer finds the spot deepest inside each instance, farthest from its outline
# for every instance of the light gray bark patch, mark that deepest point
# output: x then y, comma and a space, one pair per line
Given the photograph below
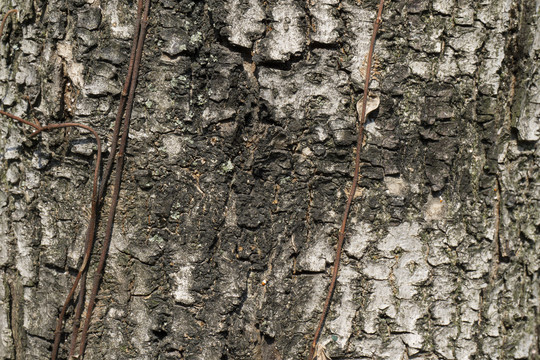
342, 325
175, 41
215, 113
284, 37
30, 47
116, 13
114, 52
359, 22
315, 258
528, 123
244, 22
326, 23
464, 14
359, 240
100, 86
404, 236
443, 6
303, 89
13, 175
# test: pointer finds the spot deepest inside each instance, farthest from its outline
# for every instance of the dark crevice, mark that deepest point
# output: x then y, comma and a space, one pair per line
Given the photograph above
278, 65
61, 269
244, 52
308, 272
523, 144
214, 245
10, 317
318, 45
160, 334
46, 339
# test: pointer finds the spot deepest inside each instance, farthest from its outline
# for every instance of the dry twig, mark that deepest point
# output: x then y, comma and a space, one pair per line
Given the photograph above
360, 139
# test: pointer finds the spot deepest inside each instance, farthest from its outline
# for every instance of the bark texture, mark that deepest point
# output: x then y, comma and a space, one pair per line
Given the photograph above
239, 161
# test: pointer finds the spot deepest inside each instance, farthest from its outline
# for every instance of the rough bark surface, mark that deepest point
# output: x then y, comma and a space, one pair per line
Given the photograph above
239, 160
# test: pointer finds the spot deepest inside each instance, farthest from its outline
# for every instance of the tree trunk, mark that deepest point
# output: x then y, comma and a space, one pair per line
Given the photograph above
239, 162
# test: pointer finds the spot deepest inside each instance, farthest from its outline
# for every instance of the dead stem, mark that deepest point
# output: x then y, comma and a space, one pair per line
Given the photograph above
107, 172
360, 139
4, 19
117, 181
94, 201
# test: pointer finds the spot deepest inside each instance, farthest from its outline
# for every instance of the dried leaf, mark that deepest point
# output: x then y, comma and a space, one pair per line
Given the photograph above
320, 353
372, 104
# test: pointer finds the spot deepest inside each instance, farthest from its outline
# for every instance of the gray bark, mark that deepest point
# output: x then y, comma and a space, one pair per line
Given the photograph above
239, 160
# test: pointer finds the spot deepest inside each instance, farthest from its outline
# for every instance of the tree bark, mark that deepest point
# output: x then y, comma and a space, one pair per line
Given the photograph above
239, 161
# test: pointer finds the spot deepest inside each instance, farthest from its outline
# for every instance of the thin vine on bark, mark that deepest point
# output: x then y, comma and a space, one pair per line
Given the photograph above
90, 234
117, 153
360, 139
